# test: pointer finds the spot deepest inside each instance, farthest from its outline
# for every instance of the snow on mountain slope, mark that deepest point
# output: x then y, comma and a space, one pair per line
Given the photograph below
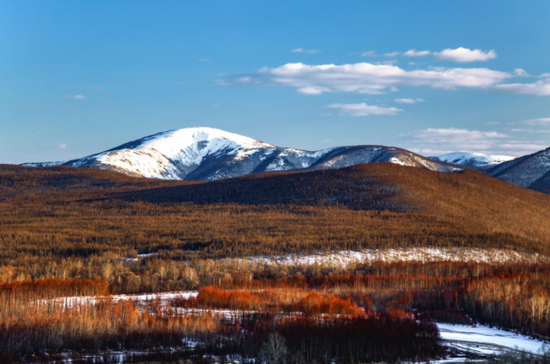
203, 153
476, 160
527, 171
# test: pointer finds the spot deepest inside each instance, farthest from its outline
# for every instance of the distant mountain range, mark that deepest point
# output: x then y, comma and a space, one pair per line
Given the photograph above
475, 160
207, 154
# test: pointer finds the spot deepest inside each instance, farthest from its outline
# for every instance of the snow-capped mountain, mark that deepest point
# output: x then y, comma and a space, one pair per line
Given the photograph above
203, 153
531, 171
476, 160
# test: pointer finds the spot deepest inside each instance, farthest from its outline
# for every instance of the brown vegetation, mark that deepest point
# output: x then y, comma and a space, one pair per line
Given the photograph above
63, 212
72, 232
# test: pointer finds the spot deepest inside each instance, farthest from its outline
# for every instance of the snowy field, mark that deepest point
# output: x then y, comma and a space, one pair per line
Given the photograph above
345, 258
485, 341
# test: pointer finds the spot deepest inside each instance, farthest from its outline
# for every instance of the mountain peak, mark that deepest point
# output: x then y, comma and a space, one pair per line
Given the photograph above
171, 142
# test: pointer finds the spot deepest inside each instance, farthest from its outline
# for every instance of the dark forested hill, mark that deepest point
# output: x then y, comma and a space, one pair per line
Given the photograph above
72, 211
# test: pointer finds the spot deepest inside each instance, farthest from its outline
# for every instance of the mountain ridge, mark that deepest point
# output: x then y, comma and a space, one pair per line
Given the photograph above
473, 159
530, 171
203, 153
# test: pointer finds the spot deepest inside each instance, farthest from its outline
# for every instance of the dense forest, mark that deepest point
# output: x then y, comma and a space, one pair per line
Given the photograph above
69, 212
379, 312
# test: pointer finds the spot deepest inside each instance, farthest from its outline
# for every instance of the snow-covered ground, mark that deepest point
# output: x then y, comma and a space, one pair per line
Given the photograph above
164, 298
345, 258
483, 340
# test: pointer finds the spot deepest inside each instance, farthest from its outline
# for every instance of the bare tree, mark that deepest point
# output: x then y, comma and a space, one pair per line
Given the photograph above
274, 350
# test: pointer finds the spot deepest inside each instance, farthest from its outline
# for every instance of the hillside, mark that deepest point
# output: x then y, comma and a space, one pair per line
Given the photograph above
528, 171
208, 154
78, 212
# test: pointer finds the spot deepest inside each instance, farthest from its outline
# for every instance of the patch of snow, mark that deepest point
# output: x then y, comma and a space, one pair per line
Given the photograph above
487, 340
397, 161
42, 164
345, 258
163, 297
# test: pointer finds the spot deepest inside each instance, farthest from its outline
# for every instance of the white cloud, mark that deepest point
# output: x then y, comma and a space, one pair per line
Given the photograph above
362, 109
530, 130
312, 90
408, 101
204, 60
541, 121
415, 53
523, 147
462, 54
538, 88
368, 54
520, 72
307, 51
391, 54
455, 139
62, 145
76, 97
367, 78
390, 62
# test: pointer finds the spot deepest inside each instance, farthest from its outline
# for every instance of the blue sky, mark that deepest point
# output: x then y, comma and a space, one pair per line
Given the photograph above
78, 77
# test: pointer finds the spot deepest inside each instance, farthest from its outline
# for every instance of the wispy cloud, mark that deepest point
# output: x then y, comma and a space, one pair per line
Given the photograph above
415, 53
204, 60
529, 130
540, 121
408, 101
367, 78
446, 140
307, 51
538, 88
391, 54
460, 54
76, 97
368, 54
62, 145
362, 109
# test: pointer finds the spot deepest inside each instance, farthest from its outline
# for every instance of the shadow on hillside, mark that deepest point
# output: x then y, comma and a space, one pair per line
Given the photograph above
345, 188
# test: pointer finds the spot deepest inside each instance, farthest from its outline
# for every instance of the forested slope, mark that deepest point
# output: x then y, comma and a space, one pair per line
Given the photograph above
68, 211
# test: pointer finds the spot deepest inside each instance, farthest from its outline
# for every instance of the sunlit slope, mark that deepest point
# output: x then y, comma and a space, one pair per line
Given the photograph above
473, 202
73, 211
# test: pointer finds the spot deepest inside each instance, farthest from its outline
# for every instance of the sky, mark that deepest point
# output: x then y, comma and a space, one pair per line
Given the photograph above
80, 77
